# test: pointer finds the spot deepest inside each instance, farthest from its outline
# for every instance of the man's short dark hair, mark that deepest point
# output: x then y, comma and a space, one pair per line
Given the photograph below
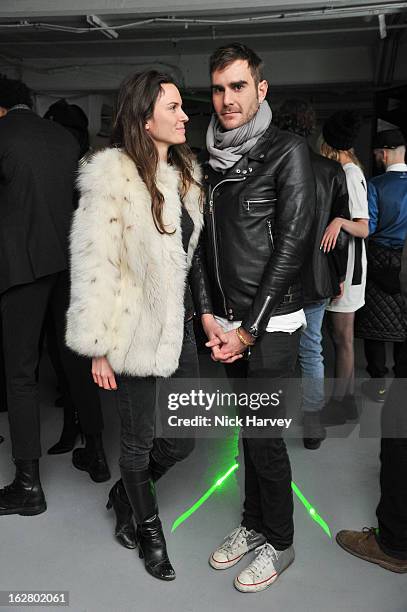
226, 55
297, 116
13, 92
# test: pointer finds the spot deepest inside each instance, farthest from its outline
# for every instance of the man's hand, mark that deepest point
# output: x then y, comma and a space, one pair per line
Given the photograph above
331, 235
232, 347
103, 374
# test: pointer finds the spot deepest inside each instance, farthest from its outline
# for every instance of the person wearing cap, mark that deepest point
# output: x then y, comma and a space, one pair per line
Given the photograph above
339, 135
381, 320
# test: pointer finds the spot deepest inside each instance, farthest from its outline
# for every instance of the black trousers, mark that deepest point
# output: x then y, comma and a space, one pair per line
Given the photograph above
268, 504
3, 395
23, 311
375, 353
392, 509
137, 410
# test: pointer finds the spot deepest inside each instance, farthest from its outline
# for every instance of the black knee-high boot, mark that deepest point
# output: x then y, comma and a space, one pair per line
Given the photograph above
125, 531
152, 546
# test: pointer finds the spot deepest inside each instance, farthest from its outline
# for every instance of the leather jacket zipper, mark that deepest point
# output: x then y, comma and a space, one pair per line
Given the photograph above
270, 233
248, 202
215, 246
255, 327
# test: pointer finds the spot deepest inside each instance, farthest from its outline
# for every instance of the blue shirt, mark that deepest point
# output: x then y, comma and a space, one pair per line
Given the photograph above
387, 198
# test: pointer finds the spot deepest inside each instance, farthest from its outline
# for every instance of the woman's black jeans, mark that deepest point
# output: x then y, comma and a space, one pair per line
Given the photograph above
137, 409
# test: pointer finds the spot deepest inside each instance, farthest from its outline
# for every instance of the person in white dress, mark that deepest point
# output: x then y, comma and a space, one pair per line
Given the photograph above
339, 134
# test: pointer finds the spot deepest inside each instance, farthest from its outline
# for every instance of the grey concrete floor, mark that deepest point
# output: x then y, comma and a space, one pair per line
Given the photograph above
71, 547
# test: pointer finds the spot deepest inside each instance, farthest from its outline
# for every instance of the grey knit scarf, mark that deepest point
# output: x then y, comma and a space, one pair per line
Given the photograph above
226, 147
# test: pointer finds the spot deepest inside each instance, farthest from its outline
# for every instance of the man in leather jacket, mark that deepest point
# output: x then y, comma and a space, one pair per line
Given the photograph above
258, 217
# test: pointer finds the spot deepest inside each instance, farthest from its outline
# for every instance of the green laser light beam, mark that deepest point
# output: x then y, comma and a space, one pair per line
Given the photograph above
312, 512
203, 499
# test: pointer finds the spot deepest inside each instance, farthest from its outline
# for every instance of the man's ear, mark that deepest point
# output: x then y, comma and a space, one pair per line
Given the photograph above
3, 111
262, 88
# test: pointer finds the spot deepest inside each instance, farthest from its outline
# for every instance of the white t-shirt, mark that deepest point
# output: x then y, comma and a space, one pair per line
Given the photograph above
280, 323
354, 295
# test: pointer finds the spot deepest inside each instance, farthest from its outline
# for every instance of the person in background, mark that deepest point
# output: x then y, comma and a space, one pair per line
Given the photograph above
133, 239
74, 119
89, 418
381, 320
324, 276
38, 161
387, 545
339, 134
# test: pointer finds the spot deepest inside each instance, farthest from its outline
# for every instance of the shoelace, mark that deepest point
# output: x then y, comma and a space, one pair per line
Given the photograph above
235, 538
264, 554
369, 531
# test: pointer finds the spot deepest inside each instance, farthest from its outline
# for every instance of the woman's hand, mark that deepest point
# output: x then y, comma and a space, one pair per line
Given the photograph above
103, 374
331, 235
215, 334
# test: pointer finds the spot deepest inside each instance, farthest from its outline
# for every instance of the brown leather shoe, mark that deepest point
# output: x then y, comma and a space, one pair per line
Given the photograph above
363, 544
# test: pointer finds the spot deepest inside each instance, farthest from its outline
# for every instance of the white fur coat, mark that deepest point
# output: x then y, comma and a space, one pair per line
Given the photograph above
128, 281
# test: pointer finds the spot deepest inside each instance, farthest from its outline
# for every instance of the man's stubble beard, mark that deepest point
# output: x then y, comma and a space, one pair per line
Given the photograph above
246, 120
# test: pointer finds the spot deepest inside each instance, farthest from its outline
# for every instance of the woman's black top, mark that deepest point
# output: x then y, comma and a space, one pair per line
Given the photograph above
187, 227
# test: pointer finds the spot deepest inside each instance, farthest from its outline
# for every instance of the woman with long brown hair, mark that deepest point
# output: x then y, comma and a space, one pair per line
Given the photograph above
133, 240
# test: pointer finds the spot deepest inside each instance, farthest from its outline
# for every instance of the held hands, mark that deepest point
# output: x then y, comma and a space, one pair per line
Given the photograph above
226, 346
103, 374
331, 235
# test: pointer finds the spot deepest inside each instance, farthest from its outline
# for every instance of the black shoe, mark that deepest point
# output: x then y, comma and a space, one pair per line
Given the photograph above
333, 413
375, 389
92, 459
313, 431
151, 541
24, 495
67, 441
125, 531
153, 549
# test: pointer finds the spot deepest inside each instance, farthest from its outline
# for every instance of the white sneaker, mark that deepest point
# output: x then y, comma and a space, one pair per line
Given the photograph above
264, 569
234, 547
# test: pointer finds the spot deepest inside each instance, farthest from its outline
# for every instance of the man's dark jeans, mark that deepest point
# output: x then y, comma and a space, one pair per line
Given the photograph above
137, 409
268, 505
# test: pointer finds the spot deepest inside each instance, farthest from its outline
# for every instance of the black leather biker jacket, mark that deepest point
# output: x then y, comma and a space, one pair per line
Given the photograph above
321, 279
256, 237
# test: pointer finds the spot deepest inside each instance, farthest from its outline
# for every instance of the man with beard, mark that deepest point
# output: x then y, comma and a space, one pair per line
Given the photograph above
258, 218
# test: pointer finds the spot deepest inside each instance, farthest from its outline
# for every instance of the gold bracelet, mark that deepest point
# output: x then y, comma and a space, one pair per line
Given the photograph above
242, 339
